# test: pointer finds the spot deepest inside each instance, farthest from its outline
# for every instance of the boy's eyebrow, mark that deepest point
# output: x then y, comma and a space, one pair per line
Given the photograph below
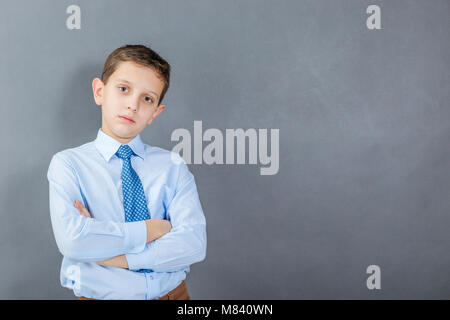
126, 81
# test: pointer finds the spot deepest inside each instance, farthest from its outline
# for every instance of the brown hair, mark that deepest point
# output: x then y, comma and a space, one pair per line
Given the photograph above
142, 55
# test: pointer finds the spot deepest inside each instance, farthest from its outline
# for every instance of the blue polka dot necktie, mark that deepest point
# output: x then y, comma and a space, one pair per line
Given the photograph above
134, 201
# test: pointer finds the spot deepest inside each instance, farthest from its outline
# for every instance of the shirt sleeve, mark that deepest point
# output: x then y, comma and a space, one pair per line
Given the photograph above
81, 238
185, 244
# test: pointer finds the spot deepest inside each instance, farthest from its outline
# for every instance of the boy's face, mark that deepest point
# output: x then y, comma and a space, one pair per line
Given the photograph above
133, 92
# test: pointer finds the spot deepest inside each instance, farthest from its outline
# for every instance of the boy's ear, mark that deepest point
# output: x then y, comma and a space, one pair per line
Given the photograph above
160, 109
97, 89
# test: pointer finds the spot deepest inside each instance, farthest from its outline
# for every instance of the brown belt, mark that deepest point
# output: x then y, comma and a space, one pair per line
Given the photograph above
179, 293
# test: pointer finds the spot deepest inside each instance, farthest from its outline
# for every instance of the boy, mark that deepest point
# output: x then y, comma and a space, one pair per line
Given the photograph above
126, 215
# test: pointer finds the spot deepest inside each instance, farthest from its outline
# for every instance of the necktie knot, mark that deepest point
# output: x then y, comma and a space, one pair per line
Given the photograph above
124, 152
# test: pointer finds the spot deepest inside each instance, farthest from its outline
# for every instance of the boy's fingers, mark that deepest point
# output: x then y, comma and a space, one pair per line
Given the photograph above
78, 203
82, 209
77, 206
86, 213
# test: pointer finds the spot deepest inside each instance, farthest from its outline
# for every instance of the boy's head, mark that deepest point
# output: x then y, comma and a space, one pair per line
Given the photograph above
133, 84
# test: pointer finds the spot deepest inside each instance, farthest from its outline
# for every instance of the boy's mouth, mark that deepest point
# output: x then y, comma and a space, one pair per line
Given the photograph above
128, 120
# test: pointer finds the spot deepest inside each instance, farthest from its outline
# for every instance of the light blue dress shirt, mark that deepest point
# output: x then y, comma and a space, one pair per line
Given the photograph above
91, 173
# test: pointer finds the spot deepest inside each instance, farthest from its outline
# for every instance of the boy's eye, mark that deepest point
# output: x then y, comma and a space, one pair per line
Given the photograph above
149, 99
120, 88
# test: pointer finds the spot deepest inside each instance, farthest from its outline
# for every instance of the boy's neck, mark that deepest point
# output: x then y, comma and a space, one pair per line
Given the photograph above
119, 139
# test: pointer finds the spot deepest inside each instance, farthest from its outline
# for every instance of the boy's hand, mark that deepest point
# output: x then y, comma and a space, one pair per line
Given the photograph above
156, 228
118, 262
82, 209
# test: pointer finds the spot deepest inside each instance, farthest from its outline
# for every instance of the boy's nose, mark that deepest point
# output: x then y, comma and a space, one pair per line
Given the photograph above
132, 107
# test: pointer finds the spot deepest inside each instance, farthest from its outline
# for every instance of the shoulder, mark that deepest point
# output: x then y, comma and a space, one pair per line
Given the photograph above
72, 155
169, 163
167, 157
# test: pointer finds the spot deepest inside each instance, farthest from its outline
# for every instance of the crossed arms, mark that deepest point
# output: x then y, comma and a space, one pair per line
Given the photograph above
156, 228
155, 244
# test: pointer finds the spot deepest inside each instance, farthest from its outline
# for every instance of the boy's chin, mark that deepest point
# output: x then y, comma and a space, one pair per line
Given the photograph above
127, 133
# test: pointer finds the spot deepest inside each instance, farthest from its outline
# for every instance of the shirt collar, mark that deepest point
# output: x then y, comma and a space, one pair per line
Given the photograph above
108, 146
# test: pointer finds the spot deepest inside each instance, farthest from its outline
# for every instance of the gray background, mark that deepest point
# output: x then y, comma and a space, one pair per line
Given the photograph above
364, 129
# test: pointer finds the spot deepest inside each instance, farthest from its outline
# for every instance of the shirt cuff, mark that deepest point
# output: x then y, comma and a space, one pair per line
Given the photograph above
135, 236
133, 261
137, 261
